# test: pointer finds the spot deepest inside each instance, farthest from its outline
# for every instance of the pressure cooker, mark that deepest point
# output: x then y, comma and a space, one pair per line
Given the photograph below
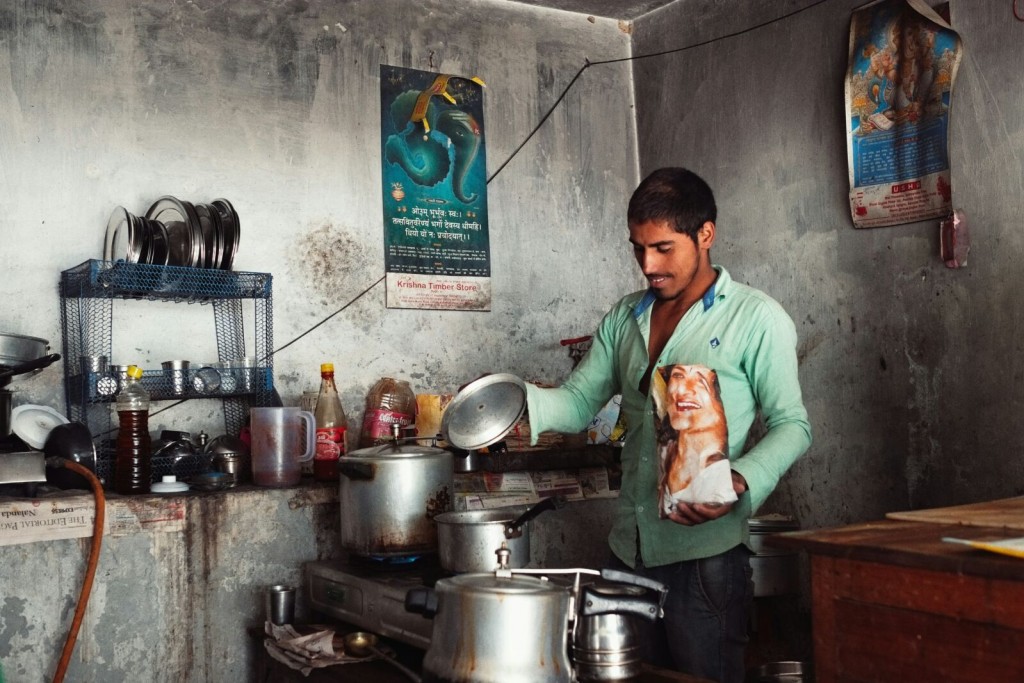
516, 625
389, 496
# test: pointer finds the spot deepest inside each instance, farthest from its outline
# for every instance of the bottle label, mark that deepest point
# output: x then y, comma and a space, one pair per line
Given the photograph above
377, 423
330, 443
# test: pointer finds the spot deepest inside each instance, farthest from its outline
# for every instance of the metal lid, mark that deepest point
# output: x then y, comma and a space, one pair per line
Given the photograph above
397, 450
491, 583
484, 411
773, 523
499, 516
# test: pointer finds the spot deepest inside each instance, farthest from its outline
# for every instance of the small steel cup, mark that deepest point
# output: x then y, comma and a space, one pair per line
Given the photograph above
245, 373
177, 374
120, 373
228, 380
281, 605
92, 368
235, 465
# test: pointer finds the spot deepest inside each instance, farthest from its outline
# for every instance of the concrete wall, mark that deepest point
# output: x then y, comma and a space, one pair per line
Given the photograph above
910, 370
173, 600
275, 106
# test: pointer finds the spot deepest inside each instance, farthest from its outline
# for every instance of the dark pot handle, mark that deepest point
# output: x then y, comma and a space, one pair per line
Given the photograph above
595, 603
617, 576
422, 601
357, 470
514, 529
28, 366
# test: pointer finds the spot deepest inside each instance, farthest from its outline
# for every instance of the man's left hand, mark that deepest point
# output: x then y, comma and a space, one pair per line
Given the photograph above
689, 514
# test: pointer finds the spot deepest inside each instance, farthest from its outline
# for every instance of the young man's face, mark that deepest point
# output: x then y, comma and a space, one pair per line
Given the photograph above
670, 260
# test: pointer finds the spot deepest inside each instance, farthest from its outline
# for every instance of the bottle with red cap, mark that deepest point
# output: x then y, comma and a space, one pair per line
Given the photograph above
331, 426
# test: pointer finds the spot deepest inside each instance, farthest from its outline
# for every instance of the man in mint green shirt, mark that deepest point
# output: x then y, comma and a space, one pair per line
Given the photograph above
692, 314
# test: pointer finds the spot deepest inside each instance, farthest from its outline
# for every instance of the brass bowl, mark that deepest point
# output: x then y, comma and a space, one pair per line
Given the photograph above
360, 644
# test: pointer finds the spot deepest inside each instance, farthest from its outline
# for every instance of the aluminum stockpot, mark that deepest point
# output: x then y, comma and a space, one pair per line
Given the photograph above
467, 541
389, 497
489, 629
16, 349
776, 571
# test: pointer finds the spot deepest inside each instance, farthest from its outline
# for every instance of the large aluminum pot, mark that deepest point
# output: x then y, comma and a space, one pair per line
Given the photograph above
16, 349
467, 541
390, 495
776, 571
489, 629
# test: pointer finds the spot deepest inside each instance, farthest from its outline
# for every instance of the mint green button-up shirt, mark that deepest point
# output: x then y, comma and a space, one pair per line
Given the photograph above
750, 341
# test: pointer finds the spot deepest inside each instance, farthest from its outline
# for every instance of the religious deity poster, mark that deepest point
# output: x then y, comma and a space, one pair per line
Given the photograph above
903, 61
433, 169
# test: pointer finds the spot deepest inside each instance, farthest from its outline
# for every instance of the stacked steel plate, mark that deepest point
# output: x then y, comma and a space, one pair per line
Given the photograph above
175, 233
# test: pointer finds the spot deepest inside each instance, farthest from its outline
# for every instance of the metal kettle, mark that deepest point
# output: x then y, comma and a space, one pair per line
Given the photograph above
606, 645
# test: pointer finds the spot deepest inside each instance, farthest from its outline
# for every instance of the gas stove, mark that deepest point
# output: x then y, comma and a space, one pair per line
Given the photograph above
370, 594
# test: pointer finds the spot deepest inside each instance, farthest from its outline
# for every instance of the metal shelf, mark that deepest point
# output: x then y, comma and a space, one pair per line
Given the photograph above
88, 292
121, 280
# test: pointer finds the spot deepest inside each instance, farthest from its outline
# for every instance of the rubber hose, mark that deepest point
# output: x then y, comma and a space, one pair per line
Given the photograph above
90, 570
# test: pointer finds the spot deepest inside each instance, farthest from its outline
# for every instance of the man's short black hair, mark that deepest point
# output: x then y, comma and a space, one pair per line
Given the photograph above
676, 195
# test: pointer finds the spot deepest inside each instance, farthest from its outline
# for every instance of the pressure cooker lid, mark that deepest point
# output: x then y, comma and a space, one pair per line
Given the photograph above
397, 450
484, 411
486, 582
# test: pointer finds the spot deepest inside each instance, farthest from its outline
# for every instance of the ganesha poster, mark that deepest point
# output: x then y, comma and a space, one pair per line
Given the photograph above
692, 438
433, 170
902, 63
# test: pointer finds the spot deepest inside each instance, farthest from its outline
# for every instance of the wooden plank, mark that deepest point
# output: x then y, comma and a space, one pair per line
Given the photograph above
823, 600
950, 595
909, 544
1007, 513
881, 624
884, 644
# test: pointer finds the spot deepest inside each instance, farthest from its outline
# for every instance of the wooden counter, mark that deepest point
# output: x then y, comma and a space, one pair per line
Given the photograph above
892, 602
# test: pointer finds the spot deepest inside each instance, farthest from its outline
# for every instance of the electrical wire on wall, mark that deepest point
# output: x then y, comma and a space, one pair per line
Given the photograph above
587, 64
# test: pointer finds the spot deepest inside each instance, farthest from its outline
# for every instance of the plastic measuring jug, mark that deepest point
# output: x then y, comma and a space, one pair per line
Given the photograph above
282, 439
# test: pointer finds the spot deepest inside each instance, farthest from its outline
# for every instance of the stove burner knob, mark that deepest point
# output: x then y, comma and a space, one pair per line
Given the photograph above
422, 601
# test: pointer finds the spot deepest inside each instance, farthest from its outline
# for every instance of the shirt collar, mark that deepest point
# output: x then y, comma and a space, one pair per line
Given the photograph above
718, 288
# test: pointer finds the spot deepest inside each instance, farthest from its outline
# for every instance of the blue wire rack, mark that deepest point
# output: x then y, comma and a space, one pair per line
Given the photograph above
88, 292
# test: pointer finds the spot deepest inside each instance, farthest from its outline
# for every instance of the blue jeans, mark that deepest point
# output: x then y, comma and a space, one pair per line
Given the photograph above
704, 632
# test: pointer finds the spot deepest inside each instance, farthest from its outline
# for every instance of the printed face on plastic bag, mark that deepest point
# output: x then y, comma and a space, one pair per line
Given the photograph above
692, 437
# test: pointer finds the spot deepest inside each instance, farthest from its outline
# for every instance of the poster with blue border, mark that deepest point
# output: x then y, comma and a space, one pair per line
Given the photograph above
902, 64
434, 176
